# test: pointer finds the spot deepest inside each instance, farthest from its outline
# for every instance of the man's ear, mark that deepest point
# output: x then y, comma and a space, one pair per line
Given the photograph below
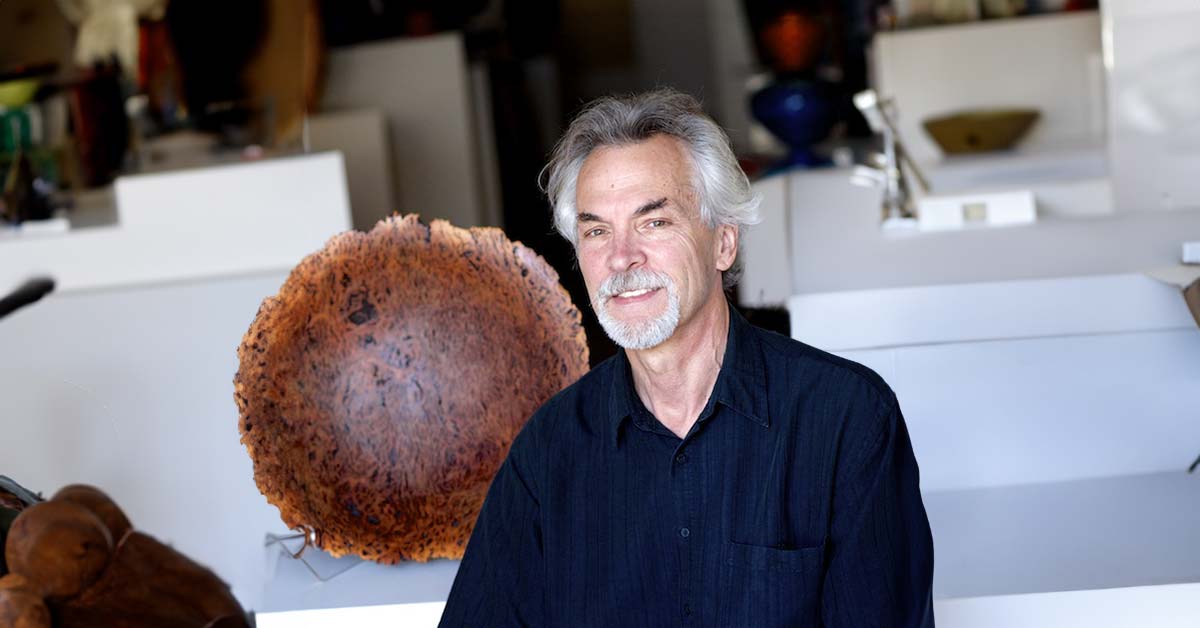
727, 246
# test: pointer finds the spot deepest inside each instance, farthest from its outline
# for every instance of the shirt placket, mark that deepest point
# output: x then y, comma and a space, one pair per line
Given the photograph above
684, 475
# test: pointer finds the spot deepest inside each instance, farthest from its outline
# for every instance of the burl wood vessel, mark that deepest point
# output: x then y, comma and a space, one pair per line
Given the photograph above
380, 390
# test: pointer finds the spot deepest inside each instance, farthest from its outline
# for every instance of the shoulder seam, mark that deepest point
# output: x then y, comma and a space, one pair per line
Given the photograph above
873, 380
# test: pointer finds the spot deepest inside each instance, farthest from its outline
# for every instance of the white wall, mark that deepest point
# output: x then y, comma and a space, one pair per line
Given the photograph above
1052, 63
131, 389
1154, 63
361, 136
423, 87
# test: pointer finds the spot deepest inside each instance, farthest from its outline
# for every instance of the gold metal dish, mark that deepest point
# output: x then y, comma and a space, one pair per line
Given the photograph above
981, 130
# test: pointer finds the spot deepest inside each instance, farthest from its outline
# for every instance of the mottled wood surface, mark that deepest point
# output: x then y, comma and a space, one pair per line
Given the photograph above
150, 585
67, 572
21, 606
380, 390
59, 547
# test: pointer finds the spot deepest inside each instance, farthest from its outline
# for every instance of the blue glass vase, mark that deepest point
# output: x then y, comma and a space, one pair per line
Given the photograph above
799, 112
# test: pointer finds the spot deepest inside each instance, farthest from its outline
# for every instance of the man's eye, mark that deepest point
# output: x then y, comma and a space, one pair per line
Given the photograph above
591, 233
657, 223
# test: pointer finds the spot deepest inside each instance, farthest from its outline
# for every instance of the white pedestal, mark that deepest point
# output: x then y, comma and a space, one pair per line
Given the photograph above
225, 220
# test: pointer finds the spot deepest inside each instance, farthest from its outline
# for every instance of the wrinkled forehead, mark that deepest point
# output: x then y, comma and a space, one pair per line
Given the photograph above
659, 166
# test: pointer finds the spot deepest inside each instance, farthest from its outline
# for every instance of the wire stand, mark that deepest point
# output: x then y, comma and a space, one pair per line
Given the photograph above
321, 565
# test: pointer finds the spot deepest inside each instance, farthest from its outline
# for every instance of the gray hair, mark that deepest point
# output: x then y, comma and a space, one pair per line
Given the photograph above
724, 192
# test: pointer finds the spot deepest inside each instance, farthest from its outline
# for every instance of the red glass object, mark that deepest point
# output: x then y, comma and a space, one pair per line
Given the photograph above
793, 41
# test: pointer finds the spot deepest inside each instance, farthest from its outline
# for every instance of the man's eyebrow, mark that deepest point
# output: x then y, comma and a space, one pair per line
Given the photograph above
651, 206
583, 217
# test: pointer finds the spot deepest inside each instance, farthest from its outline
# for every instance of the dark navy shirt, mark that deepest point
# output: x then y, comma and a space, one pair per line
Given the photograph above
793, 501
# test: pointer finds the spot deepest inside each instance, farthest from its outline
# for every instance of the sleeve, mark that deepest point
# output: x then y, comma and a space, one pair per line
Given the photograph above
499, 582
880, 570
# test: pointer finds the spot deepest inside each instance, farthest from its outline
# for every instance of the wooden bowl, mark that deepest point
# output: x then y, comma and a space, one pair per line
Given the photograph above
380, 390
979, 131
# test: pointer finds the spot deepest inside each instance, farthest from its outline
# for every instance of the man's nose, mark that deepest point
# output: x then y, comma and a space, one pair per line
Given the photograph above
627, 252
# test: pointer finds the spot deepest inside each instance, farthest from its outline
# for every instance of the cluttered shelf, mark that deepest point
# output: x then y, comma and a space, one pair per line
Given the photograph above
906, 15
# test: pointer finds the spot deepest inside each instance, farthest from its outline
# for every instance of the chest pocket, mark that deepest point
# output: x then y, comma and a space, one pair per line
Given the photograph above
765, 587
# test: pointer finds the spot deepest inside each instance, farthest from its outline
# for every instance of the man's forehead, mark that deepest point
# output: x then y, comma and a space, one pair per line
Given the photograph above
635, 178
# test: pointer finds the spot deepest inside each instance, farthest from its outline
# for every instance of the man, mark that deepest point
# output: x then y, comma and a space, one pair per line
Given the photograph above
712, 474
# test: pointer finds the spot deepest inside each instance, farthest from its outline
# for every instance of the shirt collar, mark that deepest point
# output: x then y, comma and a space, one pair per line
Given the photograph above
740, 386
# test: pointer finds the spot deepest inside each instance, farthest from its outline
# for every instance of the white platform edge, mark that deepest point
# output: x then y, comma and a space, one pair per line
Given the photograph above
874, 319
1163, 606
1191, 252
421, 615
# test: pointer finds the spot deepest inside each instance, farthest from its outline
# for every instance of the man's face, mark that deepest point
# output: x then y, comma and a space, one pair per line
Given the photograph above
648, 260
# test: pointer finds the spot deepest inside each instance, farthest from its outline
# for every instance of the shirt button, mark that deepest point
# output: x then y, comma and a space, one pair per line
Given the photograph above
687, 609
684, 532
681, 458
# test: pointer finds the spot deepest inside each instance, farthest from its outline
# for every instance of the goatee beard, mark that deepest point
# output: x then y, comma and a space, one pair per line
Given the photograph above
643, 334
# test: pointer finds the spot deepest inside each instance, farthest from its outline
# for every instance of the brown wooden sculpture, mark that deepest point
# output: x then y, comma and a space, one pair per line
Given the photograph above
381, 388
75, 562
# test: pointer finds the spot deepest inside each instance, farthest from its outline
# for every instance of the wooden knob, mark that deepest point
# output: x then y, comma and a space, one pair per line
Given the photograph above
60, 547
100, 504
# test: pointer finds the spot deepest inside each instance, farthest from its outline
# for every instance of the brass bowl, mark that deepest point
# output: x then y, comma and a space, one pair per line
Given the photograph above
980, 130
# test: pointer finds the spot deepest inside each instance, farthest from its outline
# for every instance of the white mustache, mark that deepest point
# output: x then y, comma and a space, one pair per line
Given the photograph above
637, 279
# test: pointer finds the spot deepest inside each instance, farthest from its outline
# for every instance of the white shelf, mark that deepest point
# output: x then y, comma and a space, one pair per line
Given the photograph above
226, 220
